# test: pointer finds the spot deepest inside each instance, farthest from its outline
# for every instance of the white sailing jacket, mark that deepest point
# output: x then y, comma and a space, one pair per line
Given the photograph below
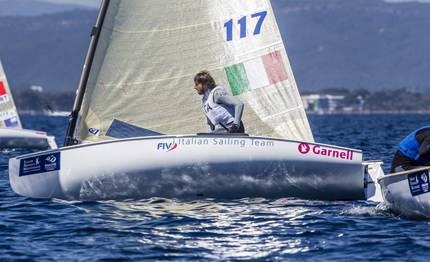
217, 113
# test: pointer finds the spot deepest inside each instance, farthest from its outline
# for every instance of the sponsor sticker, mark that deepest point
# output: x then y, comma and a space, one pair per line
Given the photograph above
419, 183
217, 141
2, 89
94, 132
4, 99
7, 115
326, 152
39, 164
11, 122
167, 146
304, 148
3, 95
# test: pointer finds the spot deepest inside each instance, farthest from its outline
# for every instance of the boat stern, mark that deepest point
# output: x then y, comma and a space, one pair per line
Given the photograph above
36, 175
372, 171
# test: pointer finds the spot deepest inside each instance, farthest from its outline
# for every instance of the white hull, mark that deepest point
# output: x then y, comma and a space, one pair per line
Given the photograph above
373, 171
25, 138
207, 166
408, 194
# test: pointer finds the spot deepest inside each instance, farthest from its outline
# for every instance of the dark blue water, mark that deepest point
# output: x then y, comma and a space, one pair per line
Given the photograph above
214, 229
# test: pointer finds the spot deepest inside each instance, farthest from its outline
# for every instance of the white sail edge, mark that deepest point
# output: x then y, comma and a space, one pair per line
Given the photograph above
9, 117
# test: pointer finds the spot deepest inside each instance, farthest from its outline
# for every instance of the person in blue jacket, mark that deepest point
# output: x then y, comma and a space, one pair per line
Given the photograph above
221, 109
413, 151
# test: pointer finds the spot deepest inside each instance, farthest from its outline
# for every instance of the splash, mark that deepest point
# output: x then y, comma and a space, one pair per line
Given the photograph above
366, 210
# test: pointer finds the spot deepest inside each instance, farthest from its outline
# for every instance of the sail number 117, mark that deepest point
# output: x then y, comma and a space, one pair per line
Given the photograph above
242, 23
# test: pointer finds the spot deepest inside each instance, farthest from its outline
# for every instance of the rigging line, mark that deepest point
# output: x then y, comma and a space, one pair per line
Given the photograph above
175, 122
260, 48
283, 112
53, 112
187, 75
143, 82
223, 126
150, 31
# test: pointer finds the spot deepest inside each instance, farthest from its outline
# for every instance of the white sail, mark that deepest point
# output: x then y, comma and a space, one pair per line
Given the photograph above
141, 79
8, 114
12, 135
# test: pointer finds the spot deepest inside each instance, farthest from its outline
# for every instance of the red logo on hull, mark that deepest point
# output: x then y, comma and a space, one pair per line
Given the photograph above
304, 148
318, 150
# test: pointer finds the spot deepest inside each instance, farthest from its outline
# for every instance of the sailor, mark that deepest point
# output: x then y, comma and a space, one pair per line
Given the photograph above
219, 106
413, 151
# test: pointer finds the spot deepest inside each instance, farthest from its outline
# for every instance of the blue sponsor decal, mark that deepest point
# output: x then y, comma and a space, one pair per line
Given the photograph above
94, 132
39, 164
12, 122
419, 183
119, 129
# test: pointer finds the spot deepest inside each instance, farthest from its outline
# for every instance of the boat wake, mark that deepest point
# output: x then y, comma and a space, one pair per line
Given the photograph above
370, 210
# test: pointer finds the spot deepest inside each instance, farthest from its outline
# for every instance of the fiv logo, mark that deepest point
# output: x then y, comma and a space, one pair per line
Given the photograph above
304, 148
167, 146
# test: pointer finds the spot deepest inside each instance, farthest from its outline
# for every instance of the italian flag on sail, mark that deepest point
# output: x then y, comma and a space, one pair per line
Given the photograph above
255, 73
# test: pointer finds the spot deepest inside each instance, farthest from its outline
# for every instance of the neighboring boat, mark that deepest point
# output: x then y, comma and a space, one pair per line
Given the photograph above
407, 193
132, 132
11, 133
26, 139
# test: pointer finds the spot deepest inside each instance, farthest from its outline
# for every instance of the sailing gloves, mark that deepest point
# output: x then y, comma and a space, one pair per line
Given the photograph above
233, 129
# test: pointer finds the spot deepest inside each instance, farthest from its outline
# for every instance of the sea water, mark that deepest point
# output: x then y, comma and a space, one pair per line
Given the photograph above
255, 229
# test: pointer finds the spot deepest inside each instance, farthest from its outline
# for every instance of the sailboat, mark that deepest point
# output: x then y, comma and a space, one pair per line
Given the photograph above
407, 193
137, 127
12, 135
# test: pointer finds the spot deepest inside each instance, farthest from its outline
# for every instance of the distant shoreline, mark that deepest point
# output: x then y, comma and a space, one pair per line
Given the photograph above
365, 112
373, 112
43, 112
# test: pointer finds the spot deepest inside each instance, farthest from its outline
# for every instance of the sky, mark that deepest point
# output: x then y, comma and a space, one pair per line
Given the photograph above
96, 3
88, 3
402, 1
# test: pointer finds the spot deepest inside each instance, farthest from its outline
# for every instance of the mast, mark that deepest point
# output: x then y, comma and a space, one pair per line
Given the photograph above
95, 34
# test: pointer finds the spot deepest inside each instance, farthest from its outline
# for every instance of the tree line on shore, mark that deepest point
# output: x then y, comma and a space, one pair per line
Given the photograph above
400, 99
382, 100
29, 100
